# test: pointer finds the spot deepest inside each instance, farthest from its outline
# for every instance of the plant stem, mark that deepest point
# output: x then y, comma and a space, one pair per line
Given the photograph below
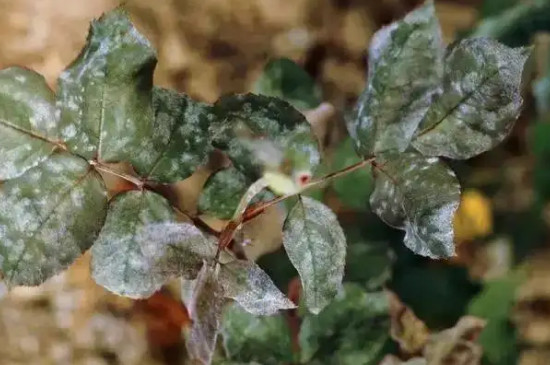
258, 210
233, 225
106, 169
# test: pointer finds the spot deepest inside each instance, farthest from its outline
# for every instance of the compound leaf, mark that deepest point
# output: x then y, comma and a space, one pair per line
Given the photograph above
405, 68
316, 246
284, 79
420, 196
479, 103
248, 338
105, 95
251, 287
48, 217
141, 246
28, 124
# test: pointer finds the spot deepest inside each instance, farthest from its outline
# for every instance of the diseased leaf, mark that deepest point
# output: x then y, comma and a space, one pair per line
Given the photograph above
316, 246
205, 310
28, 123
105, 95
405, 68
251, 287
248, 338
282, 78
48, 217
479, 103
180, 136
350, 330
222, 193
141, 246
420, 196
254, 124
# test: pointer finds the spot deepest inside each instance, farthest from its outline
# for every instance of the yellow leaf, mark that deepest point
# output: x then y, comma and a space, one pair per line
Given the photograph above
474, 218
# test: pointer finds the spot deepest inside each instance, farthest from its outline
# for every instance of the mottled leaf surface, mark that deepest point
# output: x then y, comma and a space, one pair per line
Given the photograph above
28, 123
284, 79
141, 246
105, 95
251, 123
249, 338
420, 196
180, 136
48, 217
316, 246
222, 193
405, 68
479, 103
206, 310
251, 287
350, 330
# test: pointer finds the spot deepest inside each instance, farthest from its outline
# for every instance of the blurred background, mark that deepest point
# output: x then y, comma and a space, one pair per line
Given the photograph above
210, 47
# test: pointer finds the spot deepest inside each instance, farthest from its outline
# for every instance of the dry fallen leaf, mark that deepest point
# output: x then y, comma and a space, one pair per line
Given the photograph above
457, 345
406, 329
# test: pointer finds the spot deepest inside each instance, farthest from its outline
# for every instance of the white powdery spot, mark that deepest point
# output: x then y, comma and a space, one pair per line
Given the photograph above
251, 287
316, 246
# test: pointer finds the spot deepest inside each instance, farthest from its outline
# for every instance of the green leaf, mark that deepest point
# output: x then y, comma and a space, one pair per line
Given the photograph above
48, 217
420, 196
222, 193
205, 310
350, 330
352, 189
369, 264
316, 246
284, 79
405, 68
141, 246
248, 338
180, 137
251, 287
105, 95
260, 132
495, 303
515, 25
28, 123
494, 7
479, 103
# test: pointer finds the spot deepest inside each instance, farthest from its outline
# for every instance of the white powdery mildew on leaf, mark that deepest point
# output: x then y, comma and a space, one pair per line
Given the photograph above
205, 309
142, 246
104, 98
247, 118
420, 196
405, 69
247, 284
316, 246
248, 338
48, 217
28, 122
179, 141
479, 103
